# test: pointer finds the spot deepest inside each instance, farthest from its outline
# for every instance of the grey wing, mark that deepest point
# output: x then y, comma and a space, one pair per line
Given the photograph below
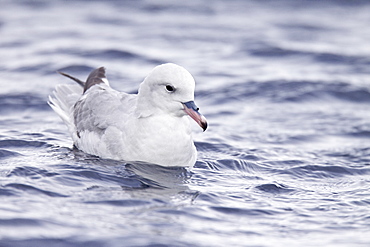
99, 108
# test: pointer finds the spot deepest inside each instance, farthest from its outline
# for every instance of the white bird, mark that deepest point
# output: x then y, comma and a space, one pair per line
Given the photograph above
150, 126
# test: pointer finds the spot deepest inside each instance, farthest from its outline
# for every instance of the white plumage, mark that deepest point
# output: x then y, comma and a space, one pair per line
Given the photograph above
151, 126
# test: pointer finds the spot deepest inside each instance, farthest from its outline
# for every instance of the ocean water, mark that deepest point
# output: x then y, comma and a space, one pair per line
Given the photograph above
285, 86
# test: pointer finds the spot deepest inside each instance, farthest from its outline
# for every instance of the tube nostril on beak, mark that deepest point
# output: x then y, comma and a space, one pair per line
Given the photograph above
193, 111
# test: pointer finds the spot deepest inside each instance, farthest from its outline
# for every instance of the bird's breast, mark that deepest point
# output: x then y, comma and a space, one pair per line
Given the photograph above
162, 140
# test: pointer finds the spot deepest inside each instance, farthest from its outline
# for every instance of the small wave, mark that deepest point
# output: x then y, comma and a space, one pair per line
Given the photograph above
32, 190
42, 68
244, 211
364, 202
110, 20
236, 165
332, 58
273, 51
220, 147
77, 69
319, 171
111, 54
10, 103
6, 153
216, 147
14, 44
46, 242
358, 157
31, 172
122, 203
181, 8
285, 163
303, 27
288, 91
7, 192
22, 143
18, 222
274, 188
348, 93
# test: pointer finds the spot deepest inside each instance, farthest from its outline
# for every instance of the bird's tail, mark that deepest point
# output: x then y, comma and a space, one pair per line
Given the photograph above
65, 96
63, 100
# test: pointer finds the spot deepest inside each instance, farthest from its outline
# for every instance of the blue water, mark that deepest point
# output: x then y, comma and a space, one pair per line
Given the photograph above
285, 86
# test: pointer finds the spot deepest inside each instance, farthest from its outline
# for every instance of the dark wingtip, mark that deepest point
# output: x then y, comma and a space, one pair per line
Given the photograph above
95, 77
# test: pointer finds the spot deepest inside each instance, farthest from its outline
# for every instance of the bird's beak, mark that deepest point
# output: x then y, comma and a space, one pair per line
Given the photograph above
193, 111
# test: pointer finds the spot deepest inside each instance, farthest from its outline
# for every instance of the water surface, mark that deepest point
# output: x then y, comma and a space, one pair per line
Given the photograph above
283, 84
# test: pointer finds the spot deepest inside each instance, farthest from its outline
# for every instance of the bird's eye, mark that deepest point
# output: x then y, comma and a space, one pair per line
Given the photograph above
170, 88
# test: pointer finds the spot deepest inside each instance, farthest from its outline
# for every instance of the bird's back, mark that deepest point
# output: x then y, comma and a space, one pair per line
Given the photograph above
63, 100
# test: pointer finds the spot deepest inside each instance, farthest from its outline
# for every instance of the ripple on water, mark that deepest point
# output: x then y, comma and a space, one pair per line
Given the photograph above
276, 87
77, 69
274, 188
122, 203
102, 54
107, 54
7, 154
237, 166
12, 143
20, 102
60, 242
323, 171
31, 172
29, 189
244, 212
298, 91
357, 157
7, 192
19, 221
273, 51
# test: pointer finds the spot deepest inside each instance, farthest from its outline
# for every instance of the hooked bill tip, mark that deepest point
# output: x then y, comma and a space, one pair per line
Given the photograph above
204, 126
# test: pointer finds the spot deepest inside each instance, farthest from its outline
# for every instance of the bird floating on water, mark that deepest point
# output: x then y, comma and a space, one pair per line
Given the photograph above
150, 126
